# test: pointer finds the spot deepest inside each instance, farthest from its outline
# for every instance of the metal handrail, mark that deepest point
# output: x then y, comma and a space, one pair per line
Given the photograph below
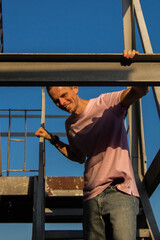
39, 200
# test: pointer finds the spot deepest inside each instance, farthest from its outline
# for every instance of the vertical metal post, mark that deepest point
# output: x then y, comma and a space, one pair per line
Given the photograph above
142, 27
25, 140
129, 43
146, 43
9, 136
39, 200
128, 25
1, 28
138, 152
137, 161
0, 158
137, 146
156, 92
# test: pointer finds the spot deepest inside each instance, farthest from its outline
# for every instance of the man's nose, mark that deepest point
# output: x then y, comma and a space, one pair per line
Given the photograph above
62, 101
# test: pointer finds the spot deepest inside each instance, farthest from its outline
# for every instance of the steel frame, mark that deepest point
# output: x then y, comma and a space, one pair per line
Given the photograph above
78, 69
93, 70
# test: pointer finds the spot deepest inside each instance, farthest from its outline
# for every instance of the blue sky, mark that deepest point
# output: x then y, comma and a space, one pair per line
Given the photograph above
67, 26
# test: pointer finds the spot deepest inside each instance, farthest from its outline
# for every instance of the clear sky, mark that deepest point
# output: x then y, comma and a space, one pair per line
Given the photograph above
67, 26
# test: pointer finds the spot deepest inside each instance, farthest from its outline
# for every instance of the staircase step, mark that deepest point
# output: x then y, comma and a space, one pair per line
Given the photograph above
64, 234
78, 234
63, 214
143, 233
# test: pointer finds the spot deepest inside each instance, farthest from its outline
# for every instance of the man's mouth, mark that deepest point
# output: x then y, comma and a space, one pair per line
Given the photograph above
67, 106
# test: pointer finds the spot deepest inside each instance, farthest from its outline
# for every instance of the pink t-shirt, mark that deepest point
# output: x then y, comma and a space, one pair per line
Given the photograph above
99, 133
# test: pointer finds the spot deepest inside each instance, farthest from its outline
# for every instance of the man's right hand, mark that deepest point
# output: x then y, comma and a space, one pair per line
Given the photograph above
64, 148
41, 132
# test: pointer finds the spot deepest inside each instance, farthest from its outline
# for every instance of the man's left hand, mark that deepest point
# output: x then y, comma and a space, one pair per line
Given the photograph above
130, 53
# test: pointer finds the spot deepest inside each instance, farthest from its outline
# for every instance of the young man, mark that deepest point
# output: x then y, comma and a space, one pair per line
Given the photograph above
97, 136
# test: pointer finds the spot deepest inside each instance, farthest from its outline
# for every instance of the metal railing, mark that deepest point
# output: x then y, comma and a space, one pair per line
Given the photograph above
10, 116
17, 136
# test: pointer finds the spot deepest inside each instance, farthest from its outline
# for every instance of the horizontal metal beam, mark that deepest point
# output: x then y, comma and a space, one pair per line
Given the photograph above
31, 116
152, 177
29, 134
75, 57
78, 69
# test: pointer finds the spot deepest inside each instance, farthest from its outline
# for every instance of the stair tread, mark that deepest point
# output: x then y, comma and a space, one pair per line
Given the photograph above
63, 234
78, 234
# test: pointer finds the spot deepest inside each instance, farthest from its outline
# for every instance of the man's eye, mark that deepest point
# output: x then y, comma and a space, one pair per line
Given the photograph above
56, 102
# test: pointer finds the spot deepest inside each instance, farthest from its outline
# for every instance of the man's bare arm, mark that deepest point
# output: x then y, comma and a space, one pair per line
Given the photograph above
64, 148
132, 94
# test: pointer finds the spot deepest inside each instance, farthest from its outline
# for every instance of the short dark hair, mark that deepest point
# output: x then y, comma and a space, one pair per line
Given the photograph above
48, 88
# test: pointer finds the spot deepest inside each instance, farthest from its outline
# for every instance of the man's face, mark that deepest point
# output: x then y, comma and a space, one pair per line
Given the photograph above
65, 98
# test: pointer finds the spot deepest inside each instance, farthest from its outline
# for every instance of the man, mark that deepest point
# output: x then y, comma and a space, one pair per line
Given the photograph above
97, 136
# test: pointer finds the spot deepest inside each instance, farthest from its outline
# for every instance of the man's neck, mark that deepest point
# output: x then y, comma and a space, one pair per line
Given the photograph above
81, 106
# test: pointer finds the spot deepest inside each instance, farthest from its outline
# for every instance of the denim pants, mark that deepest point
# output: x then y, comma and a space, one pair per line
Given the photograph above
112, 215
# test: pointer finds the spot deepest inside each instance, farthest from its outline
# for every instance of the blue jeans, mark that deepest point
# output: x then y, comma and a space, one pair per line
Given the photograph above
112, 215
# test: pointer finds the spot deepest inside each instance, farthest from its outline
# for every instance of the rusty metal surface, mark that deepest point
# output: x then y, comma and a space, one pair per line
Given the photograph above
54, 186
62, 183
64, 186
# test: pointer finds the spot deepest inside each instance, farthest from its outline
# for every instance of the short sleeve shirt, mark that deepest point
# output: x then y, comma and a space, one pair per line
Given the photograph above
99, 133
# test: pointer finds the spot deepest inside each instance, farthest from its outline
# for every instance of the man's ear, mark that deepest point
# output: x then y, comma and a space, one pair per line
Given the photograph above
76, 89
